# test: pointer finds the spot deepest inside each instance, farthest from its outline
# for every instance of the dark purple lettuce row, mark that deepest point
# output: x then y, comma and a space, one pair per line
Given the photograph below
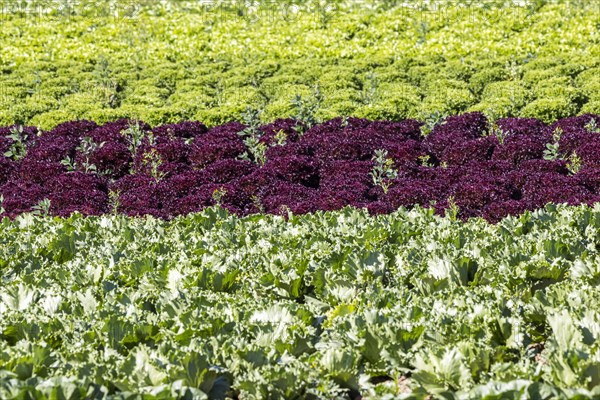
287, 126
296, 169
41, 172
589, 178
575, 124
52, 148
113, 158
522, 126
21, 196
184, 130
455, 130
29, 131
73, 129
225, 171
77, 191
589, 151
170, 154
7, 169
183, 168
221, 142
113, 131
464, 152
519, 148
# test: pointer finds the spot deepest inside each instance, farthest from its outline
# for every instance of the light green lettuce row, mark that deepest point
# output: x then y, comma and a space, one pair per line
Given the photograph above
330, 305
173, 61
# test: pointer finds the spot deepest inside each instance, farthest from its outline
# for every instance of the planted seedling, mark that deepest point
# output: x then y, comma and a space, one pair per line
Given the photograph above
306, 109
453, 209
152, 160
251, 118
280, 138
86, 148
107, 86
18, 148
251, 135
495, 130
551, 153
592, 126
383, 171
114, 201
425, 161
574, 163
134, 135
432, 120
69, 162
42, 207
258, 204
218, 195
257, 150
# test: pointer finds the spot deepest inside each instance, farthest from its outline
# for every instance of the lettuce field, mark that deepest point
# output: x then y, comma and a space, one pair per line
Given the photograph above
324, 305
209, 60
466, 163
303, 199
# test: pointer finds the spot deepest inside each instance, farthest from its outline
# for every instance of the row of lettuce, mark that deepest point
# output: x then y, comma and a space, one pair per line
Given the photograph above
378, 60
465, 166
331, 305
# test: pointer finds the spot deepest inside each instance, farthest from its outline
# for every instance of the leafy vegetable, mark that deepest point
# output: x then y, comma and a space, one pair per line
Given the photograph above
333, 304
458, 168
165, 62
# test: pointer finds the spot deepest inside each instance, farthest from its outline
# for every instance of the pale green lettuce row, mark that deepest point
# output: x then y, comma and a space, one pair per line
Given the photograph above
328, 305
538, 59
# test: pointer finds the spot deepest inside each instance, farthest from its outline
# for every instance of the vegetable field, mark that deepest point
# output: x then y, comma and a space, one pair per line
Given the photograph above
319, 306
299, 199
465, 165
209, 60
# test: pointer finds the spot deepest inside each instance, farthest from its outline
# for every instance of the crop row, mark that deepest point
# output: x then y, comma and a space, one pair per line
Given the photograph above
466, 166
330, 305
163, 65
